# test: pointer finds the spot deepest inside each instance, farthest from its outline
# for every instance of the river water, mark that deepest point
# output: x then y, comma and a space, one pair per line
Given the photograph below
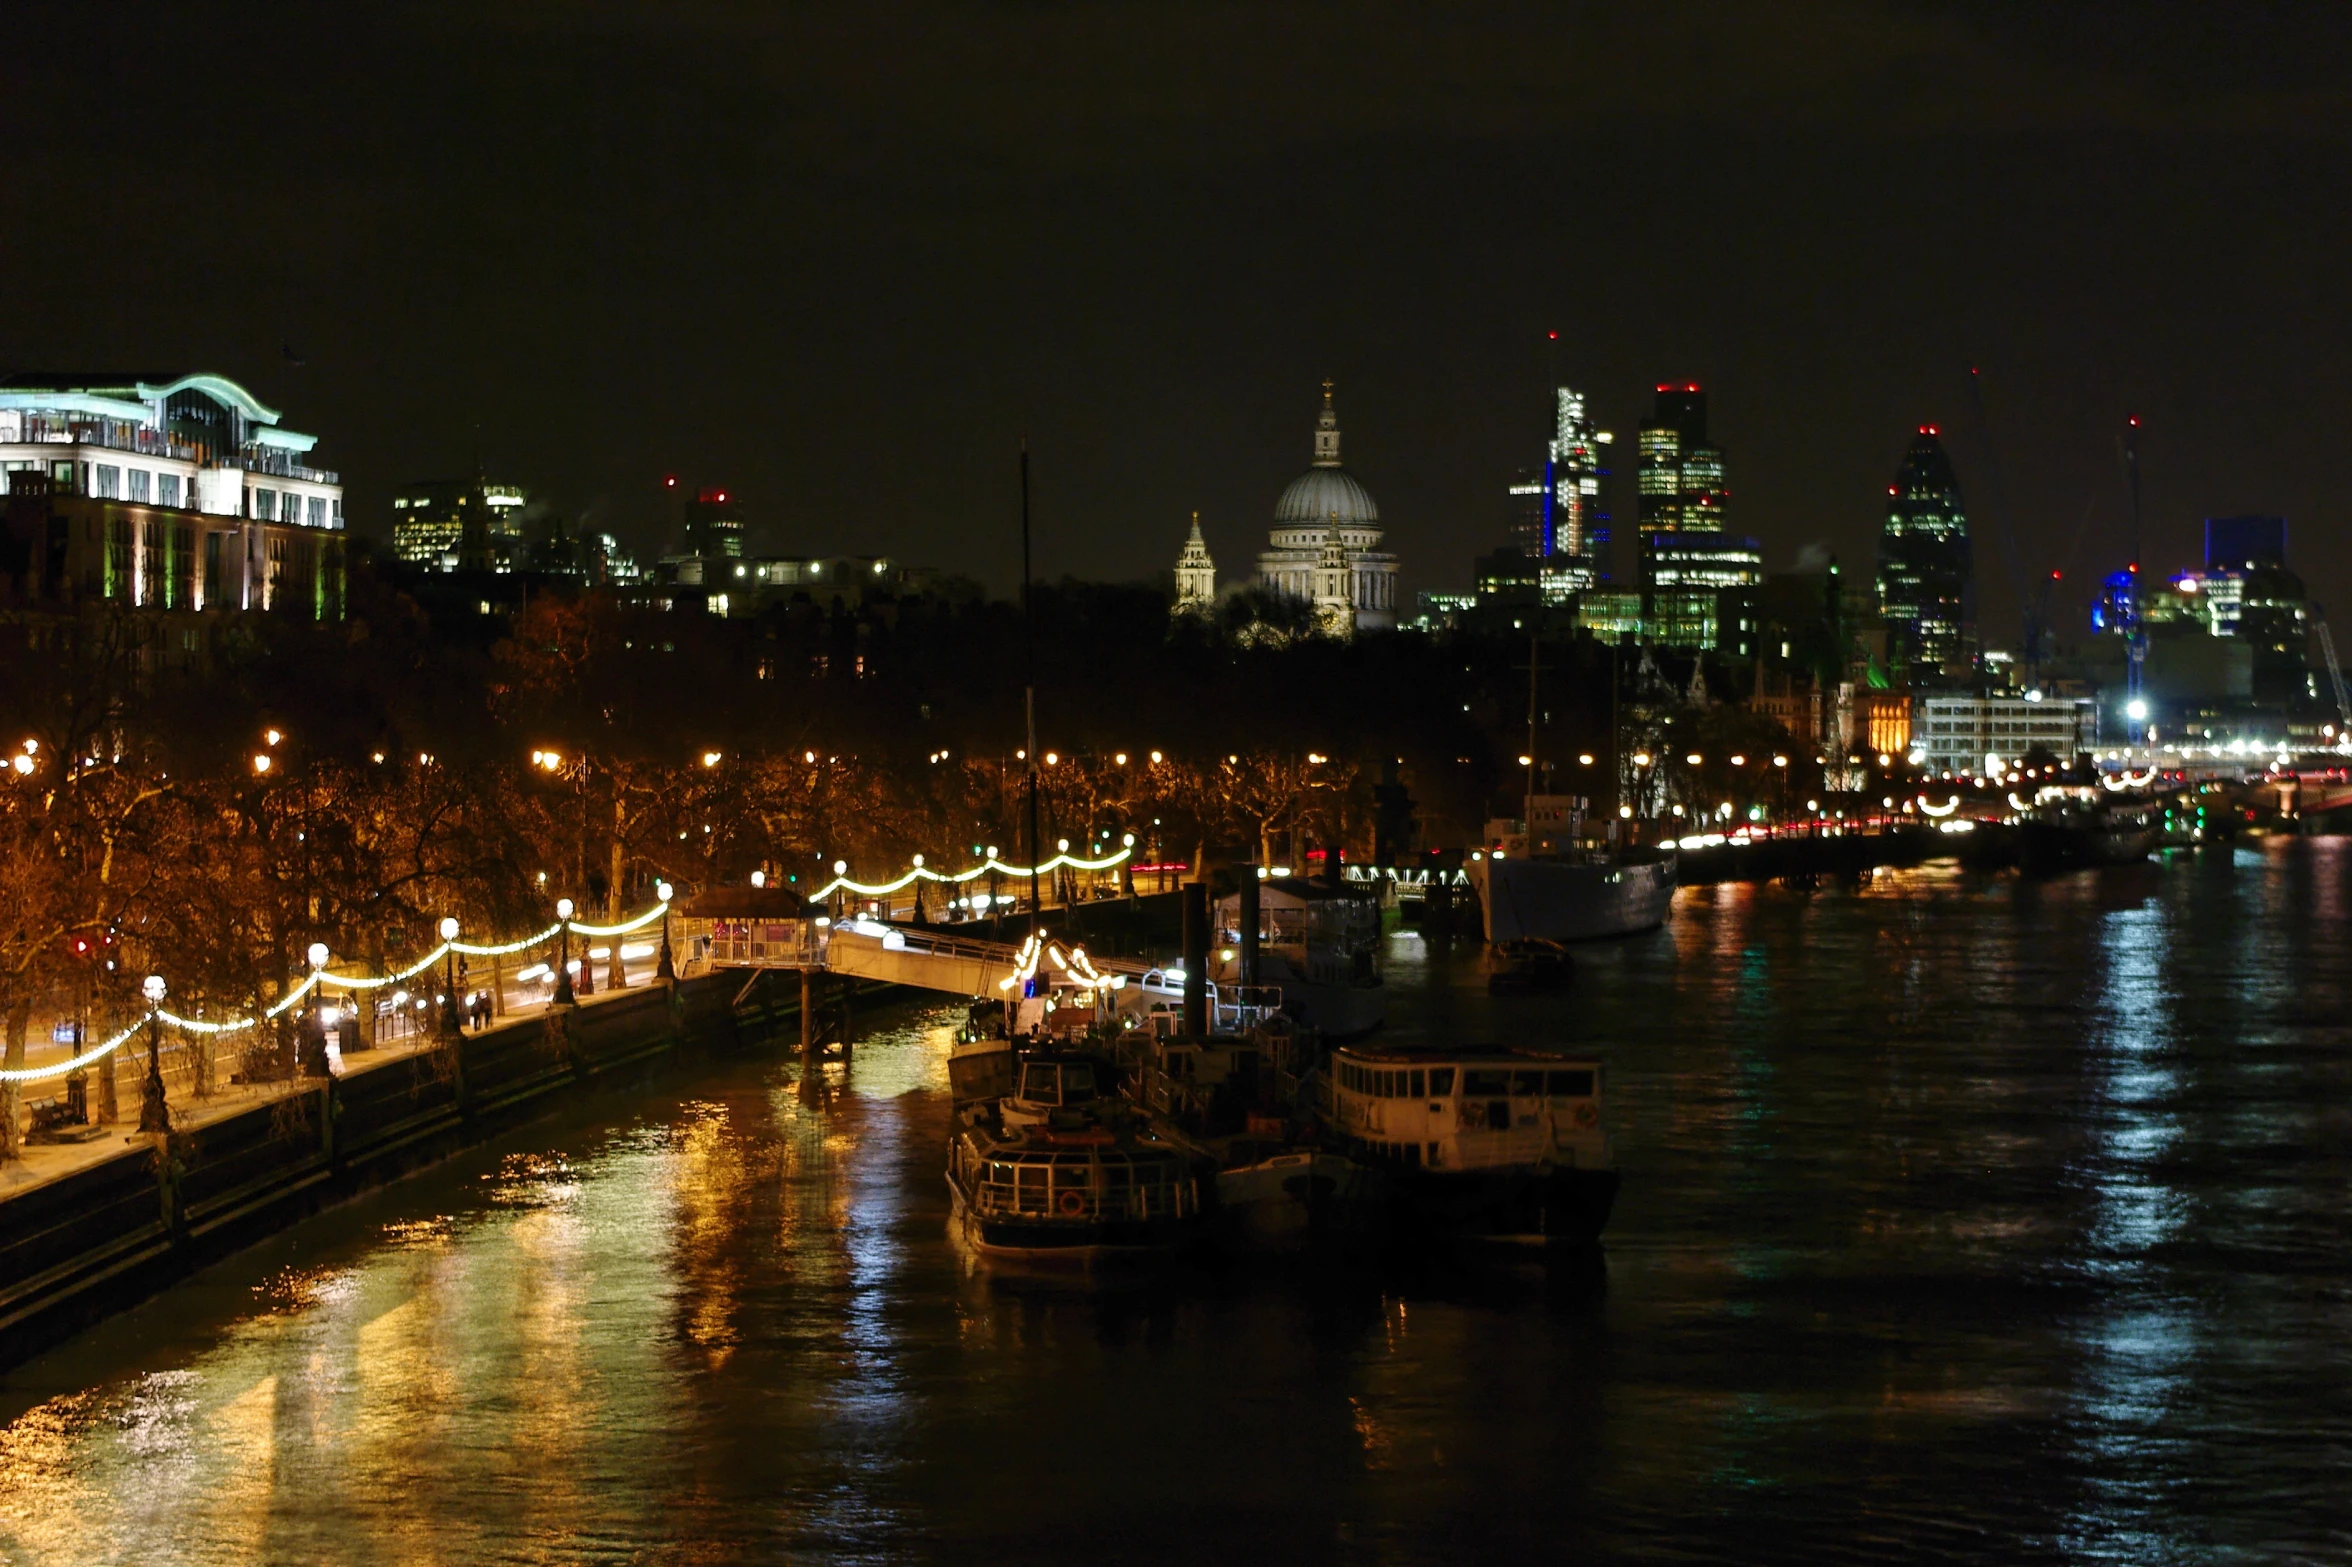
1963, 1219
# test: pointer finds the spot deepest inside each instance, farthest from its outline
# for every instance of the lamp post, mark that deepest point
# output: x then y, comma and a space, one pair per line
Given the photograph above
451, 1027
666, 967
154, 1115
563, 960
313, 1040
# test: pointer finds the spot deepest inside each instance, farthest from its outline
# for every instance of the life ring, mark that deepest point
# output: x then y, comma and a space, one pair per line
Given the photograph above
1587, 1114
1071, 1204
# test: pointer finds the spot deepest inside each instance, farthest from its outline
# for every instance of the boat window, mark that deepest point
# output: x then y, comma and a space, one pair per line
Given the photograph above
1572, 1085
1441, 1082
1527, 1083
1388, 1085
1070, 1175
1114, 1175
1433, 1153
1347, 1077
1412, 1153
1077, 1084
1041, 1084
1420, 1085
1479, 1083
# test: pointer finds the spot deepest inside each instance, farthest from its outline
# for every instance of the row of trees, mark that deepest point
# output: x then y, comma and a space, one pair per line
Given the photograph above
208, 814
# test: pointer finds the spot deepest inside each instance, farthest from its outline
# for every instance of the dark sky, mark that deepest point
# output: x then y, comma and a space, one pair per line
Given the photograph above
841, 258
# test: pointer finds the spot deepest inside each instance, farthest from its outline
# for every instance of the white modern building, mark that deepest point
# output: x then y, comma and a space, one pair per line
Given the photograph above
183, 493
1326, 542
1957, 733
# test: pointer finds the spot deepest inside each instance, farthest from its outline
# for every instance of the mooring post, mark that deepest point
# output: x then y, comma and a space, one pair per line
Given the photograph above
1196, 958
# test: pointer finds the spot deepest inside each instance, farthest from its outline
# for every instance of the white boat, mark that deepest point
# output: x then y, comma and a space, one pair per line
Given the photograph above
1573, 899
1494, 1145
1318, 946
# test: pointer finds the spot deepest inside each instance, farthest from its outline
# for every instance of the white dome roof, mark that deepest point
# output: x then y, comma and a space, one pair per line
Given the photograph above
1321, 491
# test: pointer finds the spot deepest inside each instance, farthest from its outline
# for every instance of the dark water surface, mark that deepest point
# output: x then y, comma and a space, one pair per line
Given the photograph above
1963, 1219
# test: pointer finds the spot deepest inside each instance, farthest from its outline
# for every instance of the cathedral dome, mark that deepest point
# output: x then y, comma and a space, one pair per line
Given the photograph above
1317, 494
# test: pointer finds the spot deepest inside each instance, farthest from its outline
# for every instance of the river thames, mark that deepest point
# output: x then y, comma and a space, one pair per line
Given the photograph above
1964, 1218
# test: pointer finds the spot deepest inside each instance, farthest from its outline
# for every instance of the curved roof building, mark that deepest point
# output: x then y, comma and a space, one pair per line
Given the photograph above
1325, 544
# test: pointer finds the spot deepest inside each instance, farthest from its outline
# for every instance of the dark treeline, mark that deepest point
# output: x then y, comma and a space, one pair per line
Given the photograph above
206, 801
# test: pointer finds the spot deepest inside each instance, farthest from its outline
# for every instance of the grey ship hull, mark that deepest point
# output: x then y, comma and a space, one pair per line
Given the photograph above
1570, 900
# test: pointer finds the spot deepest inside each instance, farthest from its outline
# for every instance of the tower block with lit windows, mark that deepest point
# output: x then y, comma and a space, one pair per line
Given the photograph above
1923, 563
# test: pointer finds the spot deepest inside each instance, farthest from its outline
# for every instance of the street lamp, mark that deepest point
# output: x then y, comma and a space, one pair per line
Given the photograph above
563, 961
154, 1115
451, 1028
665, 967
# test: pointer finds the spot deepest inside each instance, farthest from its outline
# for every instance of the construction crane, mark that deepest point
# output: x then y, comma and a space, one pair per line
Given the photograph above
2327, 645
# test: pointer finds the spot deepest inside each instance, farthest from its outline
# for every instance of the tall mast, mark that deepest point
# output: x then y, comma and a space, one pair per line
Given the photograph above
2135, 636
1534, 661
1029, 689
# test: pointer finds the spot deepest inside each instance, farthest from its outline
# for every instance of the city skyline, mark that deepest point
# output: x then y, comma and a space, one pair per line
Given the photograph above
957, 236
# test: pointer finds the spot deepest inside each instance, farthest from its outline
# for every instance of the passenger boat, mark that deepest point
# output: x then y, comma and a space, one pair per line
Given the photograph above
1491, 1145
1318, 946
1056, 1177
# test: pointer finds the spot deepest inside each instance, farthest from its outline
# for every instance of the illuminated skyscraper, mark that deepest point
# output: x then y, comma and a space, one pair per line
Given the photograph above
1682, 477
1923, 559
1558, 520
714, 526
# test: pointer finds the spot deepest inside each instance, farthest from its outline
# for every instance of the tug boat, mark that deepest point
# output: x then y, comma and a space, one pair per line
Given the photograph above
1499, 1146
1055, 1177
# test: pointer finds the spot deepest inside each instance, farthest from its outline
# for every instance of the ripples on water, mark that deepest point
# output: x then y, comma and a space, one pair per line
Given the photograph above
1964, 1218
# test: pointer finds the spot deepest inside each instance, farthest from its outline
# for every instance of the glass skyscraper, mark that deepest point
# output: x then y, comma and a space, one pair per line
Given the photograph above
1923, 559
1682, 477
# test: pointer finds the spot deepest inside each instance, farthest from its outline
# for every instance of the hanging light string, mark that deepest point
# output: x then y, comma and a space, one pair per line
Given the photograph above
342, 981
316, 977
992, 863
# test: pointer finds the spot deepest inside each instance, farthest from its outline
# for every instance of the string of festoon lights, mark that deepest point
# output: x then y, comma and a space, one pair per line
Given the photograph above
321, 975
922, 872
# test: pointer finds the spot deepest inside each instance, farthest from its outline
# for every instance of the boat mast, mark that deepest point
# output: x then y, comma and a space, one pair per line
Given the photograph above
1029, 690
2136, 636
1534, 661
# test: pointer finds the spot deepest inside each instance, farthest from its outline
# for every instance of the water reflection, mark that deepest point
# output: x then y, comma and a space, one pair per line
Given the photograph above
1963, 1218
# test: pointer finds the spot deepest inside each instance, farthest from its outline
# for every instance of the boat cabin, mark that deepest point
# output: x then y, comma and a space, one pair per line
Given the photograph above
1466, 1111
1075, 1183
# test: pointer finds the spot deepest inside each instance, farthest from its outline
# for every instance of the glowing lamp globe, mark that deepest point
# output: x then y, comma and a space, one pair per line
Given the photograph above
664, 891
563, 908
448, 927
318, 954
153, 989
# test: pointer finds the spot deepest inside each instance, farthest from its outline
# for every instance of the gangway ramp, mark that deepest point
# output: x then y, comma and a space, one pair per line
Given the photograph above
868, 949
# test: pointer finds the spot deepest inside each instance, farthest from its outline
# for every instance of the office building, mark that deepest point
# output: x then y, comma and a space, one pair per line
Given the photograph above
1923, 562
1958, 734
1681, 475
459, 524
1557, 519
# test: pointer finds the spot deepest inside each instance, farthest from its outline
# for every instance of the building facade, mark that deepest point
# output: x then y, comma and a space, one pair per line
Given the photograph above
1957, 734
1682, 476
459, 525
1326, 542
164, 493
1923, 560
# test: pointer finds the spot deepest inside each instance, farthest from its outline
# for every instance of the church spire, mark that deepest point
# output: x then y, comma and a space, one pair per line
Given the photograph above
1327, 432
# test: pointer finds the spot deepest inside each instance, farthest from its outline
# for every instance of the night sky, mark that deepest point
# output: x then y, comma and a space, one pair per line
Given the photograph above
841, 258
